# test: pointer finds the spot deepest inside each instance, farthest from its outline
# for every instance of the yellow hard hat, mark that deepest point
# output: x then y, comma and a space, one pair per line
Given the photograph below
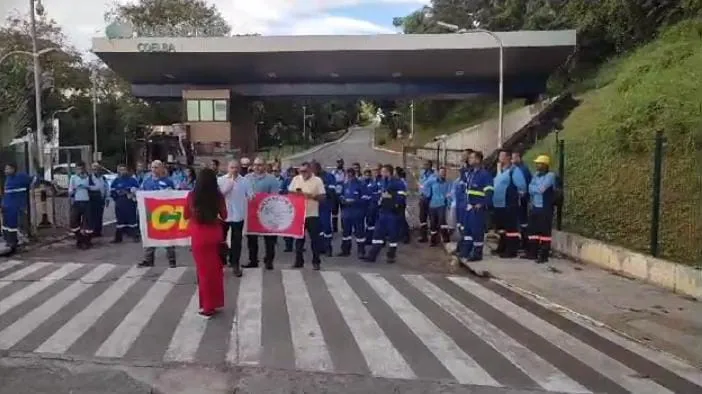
543, 159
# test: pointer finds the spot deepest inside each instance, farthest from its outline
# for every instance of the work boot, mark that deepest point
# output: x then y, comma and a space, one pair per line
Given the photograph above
251, 264
268, 264
361, 250
172, 263
476, 254
423, 234
510, 248
145, 264
345, 248
445, 236
118, 237
391, 255
299, 260
501, 245
543, 252
373, 253
531, 250
434, 239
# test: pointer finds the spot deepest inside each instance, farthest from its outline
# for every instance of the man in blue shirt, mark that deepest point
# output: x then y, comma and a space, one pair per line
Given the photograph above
542, 192
339, 174
393, 197
98, 197
80, 186
509, 186
438, 190
261, 182
158, 181
123, 193
14, 202
479, 194
325, 208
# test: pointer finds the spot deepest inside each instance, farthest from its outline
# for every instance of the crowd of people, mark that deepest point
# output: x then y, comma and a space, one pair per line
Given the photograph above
520, 204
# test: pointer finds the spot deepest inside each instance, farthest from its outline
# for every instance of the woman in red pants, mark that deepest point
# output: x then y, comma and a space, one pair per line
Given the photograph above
205, 209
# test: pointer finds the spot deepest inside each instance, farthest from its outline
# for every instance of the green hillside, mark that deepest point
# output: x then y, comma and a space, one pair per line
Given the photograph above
609, 150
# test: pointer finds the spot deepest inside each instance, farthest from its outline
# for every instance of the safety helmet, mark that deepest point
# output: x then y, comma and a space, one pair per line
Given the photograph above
543, 159
245, 161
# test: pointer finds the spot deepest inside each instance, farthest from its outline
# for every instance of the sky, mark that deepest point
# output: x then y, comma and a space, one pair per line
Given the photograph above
83, 19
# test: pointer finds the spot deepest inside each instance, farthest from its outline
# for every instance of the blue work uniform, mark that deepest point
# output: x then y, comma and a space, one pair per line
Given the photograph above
478, 193
80, 188
509, 186
153, 183
325, 212
123, 193
178, 177
373, 187
523, 214
424, 177
438, 190
393, 197
354, 197
339, 179
542, 194
14, 202
98, 200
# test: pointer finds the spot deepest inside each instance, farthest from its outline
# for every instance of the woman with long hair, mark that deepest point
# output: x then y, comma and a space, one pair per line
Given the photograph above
205, 210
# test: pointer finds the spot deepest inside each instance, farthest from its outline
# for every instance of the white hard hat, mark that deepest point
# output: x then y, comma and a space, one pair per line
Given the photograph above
245, 161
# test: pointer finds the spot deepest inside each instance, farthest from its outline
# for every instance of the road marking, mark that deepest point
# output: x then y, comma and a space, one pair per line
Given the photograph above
128, 331
81, 322
538, 369
36, 287
188, 335
245, 343
17, 275
311, 351
462, 366
18, 330
381, 356
9, 264
603, 364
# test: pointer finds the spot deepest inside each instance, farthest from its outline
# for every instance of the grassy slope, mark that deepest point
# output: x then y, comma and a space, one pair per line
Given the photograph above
609, 148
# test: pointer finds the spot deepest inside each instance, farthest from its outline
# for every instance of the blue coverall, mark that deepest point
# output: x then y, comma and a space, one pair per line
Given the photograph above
123, 193
354, 199
14, 201
339, 178
373, 187
509, 186
393, 197
98, 200
479, 193
542, 194
524, 206
325, 212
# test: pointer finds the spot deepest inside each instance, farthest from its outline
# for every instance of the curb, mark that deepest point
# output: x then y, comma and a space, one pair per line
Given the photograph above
317, 148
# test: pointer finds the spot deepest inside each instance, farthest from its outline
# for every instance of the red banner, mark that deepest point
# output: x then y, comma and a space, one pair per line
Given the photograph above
276, 214
165, 219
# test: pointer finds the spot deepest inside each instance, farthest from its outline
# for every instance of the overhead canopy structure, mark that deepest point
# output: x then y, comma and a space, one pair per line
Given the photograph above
379, 65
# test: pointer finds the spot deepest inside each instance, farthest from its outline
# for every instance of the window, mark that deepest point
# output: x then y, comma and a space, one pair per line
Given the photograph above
207, 110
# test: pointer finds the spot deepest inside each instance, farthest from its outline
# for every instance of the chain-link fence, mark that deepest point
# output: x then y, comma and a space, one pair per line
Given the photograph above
647, 198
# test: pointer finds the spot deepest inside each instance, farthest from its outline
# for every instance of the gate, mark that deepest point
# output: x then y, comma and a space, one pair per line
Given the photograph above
62, 161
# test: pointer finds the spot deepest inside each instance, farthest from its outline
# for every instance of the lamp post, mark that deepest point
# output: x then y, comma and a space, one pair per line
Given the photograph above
93, 78
457, 29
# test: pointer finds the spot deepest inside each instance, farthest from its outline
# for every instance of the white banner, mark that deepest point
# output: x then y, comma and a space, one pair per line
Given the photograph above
161, 218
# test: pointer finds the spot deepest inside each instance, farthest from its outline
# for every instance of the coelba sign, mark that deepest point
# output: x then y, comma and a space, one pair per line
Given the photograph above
155, 47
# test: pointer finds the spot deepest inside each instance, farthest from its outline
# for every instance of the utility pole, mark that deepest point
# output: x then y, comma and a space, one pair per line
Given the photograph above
96, 153
37, 83
304, 122
411, 120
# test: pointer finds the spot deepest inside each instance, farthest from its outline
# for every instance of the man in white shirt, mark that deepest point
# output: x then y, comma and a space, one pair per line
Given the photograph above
312, 187
237, 192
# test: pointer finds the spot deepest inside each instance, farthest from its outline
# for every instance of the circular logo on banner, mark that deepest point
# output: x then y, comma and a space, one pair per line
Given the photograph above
276, 213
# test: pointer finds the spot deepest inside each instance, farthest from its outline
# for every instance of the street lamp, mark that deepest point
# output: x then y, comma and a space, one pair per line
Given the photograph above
93, 78
41, 52
457, 29
61, 111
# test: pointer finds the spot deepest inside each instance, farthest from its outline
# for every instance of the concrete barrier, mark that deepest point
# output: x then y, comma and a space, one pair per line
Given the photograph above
680, 278
483, 137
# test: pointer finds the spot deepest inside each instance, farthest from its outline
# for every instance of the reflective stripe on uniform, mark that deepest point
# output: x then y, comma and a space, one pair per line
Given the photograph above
476, 193
18, 190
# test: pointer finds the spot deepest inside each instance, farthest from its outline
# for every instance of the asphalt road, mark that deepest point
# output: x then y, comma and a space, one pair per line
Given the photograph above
90, 322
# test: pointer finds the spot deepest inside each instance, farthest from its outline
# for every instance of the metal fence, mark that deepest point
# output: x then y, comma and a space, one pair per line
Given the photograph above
648, 198
413, 158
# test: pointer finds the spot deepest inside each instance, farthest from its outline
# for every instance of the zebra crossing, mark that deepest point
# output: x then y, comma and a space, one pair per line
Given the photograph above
385, 325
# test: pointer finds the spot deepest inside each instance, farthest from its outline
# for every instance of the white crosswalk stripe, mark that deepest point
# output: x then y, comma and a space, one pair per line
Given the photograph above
381, 326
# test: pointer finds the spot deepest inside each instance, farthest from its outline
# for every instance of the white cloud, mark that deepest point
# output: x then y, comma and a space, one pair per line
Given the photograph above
83, 19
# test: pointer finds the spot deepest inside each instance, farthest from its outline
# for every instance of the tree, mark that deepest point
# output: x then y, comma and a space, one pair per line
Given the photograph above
171, 16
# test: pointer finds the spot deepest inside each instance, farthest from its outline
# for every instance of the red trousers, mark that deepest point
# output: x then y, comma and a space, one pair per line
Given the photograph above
210, 278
